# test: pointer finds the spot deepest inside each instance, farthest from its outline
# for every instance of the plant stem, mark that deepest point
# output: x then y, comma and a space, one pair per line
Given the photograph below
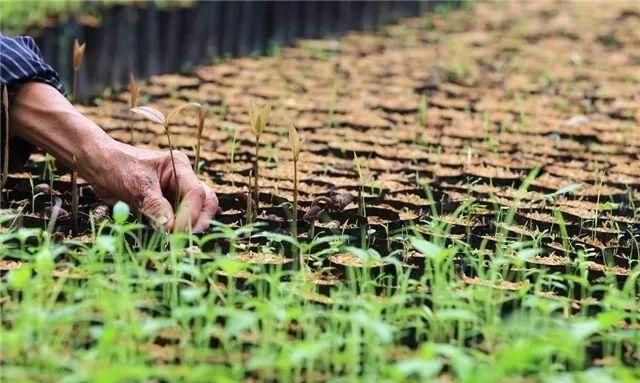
131, 127
255, 179
173, 165
75, 82
249, 211
294, 224
74, 197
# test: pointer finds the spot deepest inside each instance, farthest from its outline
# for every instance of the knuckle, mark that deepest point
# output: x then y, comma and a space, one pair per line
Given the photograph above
181, 158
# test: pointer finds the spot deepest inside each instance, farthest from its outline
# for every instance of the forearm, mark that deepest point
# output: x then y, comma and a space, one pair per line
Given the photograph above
41, 115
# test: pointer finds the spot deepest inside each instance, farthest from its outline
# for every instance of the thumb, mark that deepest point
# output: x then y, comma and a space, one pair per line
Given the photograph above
157, 209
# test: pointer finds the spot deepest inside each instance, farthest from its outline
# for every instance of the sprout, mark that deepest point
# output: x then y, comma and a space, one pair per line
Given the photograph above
156, 116
259, 118
78, 55
295, 144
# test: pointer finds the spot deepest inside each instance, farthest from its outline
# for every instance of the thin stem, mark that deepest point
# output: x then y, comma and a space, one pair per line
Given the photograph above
75, 81
173, 165
74, 197
255, 179
196, 167
294, 223
131, 127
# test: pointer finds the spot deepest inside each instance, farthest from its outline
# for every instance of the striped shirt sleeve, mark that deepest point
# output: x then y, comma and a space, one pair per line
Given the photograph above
21, 61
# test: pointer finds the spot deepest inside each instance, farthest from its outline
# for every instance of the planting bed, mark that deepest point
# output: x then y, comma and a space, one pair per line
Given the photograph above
506, 132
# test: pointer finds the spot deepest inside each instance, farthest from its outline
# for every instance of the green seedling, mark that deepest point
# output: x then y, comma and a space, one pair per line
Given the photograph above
133, 101
259, 118
78, 56
201, 118
156, 116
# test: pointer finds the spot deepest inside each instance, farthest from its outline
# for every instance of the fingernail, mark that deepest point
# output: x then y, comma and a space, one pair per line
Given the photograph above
160, 222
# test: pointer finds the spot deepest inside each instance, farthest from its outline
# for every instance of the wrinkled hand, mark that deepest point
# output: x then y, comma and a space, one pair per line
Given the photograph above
145, 180
140, 177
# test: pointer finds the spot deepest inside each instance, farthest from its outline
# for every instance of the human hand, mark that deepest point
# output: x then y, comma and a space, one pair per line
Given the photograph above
145, 180
142, 178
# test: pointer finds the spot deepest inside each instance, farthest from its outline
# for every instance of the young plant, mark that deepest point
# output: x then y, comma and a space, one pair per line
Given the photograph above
259, 118
5, 148
156, 116
294, 144
133, 101
78, 55
201, 117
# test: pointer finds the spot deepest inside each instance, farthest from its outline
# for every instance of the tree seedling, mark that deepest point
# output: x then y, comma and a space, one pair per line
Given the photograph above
133, 101
78, 55
259, 118
295, 145
201, 118
156, 116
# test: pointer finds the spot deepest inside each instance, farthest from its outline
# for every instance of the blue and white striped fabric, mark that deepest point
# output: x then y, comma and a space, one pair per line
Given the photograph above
21, 61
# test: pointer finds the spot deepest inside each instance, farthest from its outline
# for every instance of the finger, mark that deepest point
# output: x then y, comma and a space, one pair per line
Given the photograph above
193, 198
209, 209
157, 209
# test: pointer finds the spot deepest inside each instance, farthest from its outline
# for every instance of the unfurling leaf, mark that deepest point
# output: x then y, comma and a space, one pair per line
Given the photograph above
133, 91
78, 54
259, 118
150, 113
294, 142
173, 113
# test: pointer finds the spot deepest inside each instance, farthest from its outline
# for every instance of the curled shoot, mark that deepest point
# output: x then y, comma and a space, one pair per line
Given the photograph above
259, 117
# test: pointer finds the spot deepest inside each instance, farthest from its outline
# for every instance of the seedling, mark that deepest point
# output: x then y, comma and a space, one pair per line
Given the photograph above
78, 55
294, 144
133, 101
5, 148
259, 119
156, 116
201, 117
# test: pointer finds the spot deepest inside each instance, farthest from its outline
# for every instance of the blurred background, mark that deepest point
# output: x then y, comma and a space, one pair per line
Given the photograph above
163, 36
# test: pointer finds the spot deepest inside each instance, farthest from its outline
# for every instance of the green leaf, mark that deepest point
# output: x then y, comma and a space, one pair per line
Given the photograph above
424, 369
428, 249
19, 278
120, 212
